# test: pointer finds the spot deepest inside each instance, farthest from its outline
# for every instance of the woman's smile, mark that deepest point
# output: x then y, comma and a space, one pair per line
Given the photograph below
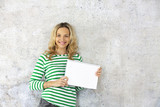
62, 43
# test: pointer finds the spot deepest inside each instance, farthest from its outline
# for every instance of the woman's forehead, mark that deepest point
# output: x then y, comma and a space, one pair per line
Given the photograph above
63, 30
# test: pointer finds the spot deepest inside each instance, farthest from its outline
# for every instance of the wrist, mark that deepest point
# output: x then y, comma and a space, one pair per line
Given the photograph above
47, 84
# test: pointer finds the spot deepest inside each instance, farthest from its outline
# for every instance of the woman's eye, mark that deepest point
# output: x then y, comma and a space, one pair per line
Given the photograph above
58, 35
66, 35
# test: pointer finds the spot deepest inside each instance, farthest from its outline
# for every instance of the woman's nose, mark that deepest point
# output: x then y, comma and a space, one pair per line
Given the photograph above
62, 38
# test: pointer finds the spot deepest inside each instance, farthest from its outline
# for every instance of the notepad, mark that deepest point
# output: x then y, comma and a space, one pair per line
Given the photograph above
81, 74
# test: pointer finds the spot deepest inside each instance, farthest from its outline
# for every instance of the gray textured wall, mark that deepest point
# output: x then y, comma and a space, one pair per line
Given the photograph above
123, 36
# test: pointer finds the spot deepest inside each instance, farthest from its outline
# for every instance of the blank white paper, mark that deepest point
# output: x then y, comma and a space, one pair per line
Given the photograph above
81, 74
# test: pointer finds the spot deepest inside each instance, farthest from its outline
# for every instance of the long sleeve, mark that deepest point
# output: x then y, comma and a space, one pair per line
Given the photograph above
35, 82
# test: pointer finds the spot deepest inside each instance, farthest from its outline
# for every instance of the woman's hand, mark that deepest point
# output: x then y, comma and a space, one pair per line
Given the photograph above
63, 81
98, 73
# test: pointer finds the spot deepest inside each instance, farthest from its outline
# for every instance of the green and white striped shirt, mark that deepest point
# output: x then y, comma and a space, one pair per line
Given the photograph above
53, 70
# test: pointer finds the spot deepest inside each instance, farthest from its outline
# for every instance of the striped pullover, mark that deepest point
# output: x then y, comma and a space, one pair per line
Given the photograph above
53, 70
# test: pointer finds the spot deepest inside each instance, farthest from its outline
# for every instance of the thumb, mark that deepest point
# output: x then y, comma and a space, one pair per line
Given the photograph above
64, 78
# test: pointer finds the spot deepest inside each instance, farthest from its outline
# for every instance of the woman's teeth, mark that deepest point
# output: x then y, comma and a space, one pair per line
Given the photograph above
62, 43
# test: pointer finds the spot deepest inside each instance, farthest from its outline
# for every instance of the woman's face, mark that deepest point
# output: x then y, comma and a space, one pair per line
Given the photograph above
62, 38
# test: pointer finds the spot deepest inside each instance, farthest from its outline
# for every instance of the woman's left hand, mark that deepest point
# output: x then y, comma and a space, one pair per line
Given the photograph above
98, 73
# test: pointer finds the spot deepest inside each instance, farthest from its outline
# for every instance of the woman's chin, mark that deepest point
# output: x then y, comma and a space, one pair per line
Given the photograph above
62, 46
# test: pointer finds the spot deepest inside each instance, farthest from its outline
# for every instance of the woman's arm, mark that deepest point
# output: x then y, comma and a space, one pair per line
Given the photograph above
35, 82
58, 83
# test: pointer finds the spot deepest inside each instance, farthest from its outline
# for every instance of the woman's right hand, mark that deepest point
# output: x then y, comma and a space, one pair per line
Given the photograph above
63, 81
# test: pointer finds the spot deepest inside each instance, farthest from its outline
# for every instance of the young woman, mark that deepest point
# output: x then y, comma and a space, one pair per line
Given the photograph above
52, 64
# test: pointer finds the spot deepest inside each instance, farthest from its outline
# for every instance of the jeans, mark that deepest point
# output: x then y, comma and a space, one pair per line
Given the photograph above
44, 103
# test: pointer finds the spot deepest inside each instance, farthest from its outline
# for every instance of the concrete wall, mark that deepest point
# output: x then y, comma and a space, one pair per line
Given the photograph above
123, 36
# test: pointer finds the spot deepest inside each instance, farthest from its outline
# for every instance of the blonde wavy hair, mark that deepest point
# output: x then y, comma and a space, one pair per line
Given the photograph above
72, 46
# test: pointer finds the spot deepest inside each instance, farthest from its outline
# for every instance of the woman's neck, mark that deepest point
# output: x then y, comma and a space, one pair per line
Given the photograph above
61, 51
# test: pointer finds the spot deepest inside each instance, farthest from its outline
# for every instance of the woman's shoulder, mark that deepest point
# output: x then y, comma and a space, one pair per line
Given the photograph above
77, 56
43, 55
